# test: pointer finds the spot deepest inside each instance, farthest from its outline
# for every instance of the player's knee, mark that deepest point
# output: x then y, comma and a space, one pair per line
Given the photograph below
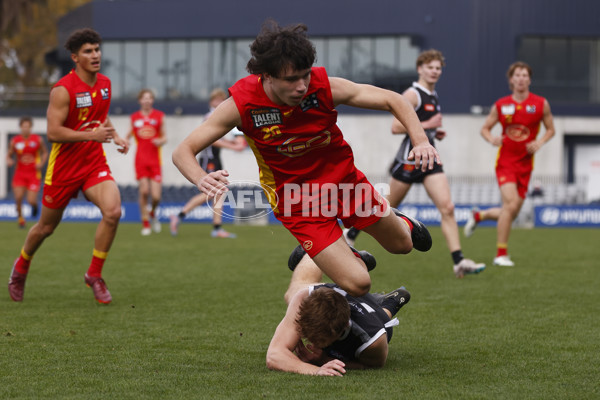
400, 246
447, 209
45, 230
359, 287
112, 214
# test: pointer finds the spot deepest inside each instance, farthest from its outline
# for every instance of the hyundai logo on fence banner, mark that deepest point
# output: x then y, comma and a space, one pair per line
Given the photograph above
567, 216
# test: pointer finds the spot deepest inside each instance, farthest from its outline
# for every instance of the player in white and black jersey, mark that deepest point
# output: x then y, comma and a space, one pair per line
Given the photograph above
423, 97
326, 331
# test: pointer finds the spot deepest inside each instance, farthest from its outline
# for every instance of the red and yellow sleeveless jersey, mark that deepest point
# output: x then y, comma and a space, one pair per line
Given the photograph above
88, 109
520, 125
145, 129
300, 144
28, 154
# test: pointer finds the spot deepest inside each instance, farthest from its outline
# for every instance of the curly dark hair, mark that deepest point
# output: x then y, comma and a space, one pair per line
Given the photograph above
276, 48
323, 317
80, 37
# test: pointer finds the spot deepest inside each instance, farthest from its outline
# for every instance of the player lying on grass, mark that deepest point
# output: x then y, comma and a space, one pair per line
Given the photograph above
326, 331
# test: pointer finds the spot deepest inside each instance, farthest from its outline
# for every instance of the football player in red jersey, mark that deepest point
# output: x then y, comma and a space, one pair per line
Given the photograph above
520, 115
148, 130
286, 110
31, 156
78, 125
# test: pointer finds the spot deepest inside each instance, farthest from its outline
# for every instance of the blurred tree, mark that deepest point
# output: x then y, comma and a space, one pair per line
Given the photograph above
28, 29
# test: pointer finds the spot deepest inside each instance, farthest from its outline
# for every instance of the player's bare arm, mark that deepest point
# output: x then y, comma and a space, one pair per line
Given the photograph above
486, 129
9, 157
237, 144
57, 113
225, 117
161, 140
280, 354
548, 121
372, 97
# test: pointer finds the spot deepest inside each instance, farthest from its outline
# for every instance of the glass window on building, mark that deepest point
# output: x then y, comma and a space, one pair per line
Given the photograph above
201, 73
190, 69
111, 58
133, 72
177, 70
156, 67
565, 70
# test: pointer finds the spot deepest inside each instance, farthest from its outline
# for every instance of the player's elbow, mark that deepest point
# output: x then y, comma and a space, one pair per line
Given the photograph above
272, 361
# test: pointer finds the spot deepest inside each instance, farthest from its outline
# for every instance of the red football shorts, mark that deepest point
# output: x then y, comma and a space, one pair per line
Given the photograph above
317, 232
30, 180
512, 175
59, 196
148, 171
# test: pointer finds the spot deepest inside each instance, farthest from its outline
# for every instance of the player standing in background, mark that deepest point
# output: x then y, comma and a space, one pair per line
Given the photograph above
78, 124
286, 110
520, 115
148, 130
210, 161
424, 99
31, 155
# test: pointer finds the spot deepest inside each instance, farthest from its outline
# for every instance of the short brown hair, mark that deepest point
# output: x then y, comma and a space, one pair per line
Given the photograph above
25, 119
276, 48
323, 317
80, 37
430, 55
143, 92
516, 65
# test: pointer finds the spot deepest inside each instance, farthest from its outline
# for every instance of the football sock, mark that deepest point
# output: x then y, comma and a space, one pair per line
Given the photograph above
457, 256
97, 263
181, 215
34, 210
352, 233
477, 216
216, 227
152, 214
23, 262
146, 223
502, 250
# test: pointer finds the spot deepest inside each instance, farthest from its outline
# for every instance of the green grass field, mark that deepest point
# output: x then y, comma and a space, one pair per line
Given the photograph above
192, 318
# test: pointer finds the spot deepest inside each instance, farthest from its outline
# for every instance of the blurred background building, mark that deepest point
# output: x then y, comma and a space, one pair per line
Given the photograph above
182, 49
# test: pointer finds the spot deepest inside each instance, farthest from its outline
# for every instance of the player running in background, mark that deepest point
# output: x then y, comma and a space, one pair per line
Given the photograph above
78, 124
210, 161
286, 110
520, 115
148, 130
325, 331
424, 99
31, 155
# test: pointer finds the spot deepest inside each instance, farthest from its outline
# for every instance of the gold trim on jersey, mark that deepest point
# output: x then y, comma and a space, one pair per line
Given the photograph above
265, 174
51, 161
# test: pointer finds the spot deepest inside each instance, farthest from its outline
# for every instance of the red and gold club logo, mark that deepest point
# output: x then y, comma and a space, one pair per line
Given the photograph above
307, 245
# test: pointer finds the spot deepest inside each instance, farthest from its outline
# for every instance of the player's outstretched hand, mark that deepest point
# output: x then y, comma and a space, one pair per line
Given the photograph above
332, 368
214, 183
424, 155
